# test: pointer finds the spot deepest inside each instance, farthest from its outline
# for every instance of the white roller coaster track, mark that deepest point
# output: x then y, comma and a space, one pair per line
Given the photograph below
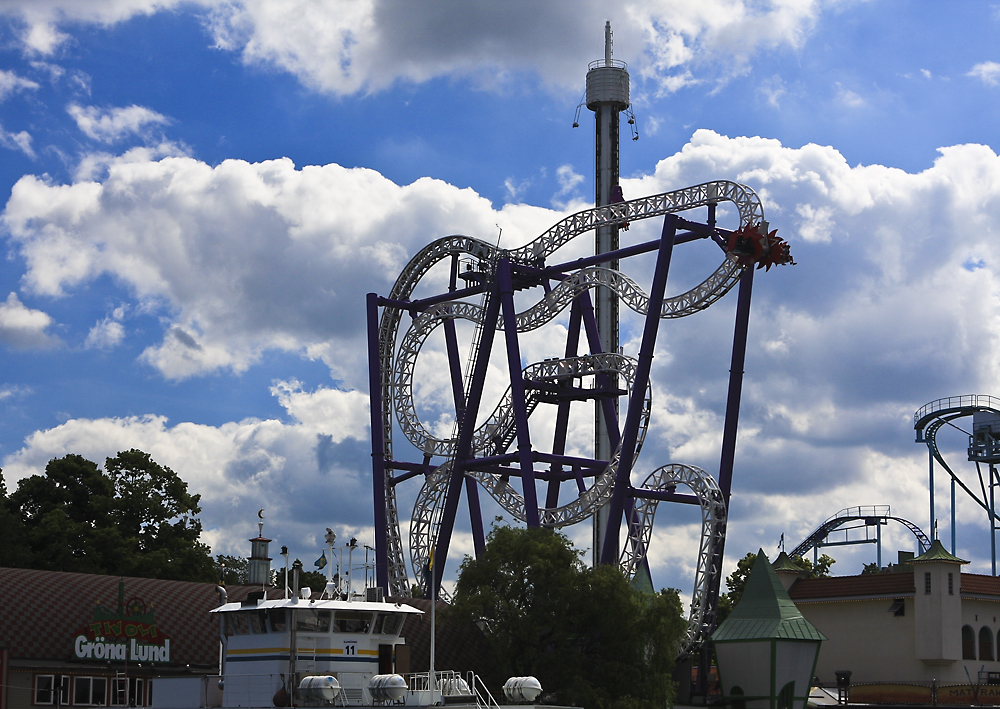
397, 363
713, 531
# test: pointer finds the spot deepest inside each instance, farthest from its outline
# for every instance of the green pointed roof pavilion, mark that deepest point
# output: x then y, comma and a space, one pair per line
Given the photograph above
937, 552
785, 564
765, 611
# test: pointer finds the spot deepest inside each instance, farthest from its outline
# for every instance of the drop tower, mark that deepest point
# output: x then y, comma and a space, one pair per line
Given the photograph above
607, 97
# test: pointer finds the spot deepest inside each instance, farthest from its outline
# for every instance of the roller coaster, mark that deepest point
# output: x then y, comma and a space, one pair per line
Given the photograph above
863, 517
473, 285
984, 447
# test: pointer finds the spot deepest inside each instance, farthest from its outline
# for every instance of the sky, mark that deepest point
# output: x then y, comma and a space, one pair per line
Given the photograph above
198, 195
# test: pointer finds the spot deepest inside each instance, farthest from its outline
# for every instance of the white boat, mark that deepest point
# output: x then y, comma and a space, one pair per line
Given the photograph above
341, 651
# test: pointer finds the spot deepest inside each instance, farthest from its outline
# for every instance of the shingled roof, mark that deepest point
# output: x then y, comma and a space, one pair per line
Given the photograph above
853, 587
42, 611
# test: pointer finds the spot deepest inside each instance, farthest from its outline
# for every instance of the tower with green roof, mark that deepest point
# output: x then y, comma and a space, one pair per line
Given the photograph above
937, 601
766, 649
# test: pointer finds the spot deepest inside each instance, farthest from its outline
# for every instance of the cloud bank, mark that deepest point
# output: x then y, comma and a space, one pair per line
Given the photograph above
894, 303
350, 46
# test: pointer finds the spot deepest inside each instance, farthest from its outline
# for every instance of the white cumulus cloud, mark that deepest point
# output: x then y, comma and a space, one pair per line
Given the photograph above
304, 470
987, 72
24, 327
350, 46
112, 124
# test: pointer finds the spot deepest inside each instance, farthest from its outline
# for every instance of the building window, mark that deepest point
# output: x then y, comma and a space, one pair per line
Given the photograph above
786, 697
985, 643
128, 692
968, 643
737, 695
90, 691
898, 607
45, 686
951, 584
927, 582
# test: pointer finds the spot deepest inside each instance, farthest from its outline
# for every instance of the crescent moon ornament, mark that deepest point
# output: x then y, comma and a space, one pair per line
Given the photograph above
260, 514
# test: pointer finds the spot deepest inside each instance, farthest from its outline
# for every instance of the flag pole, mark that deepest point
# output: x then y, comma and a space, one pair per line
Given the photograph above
431, 679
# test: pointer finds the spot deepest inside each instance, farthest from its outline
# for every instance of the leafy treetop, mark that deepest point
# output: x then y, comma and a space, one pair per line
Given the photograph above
585, 633
134, 518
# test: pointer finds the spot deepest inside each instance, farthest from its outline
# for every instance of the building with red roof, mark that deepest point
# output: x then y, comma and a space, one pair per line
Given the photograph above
924, 622
70, 639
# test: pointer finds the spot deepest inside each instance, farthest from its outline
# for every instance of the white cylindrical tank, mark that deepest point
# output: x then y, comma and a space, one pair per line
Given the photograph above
322, 687
455, 686
387, 688
522, 689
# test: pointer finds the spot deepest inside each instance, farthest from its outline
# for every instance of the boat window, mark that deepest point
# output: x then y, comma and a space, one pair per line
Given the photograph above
312, 621
257, 624
388, 623
277, 619
352, 622
238, 624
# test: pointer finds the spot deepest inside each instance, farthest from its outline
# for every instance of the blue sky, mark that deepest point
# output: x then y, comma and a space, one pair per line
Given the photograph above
197, 195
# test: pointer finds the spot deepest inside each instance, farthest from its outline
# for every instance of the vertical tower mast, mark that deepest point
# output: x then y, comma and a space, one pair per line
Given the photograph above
607, 96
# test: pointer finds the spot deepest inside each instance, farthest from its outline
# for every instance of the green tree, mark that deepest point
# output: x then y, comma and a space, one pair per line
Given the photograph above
155, 513
14, 552
67, 517
136, 519
586, 634
233, 570
735, 583
316, 580
820, 569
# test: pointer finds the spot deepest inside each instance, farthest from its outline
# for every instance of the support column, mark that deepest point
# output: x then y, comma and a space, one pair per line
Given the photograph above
623, 483
517, 397
378, 446
466, 427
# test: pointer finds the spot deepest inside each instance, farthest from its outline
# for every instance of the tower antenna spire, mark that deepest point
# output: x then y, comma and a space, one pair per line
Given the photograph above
608, 43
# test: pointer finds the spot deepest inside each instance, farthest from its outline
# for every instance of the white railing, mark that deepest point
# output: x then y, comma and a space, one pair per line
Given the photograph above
966, 401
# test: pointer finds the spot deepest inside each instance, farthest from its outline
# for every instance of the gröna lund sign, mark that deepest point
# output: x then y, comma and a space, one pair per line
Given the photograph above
128, 633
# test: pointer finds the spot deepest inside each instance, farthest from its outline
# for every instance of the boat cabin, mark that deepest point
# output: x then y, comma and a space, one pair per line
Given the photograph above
270, 645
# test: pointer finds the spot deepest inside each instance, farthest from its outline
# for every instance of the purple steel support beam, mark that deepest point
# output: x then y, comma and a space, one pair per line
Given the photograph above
630, 434
466, 428
562, 413
475, 517
378, 450
455, 367
517, 398
603, 380
729, 432
458, 393
735, 383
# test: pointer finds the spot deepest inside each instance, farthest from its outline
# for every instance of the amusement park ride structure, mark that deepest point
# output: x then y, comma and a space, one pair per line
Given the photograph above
488, 448
984, 447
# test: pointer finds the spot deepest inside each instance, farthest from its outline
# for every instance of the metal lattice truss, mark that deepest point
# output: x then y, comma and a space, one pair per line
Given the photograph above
397, 356
498, 432
713, 533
